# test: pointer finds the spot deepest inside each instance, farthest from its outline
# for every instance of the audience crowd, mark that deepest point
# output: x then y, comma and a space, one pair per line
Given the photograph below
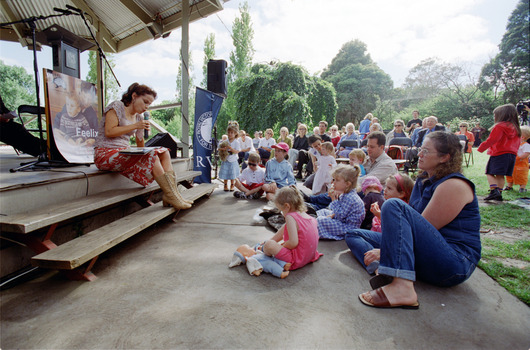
392, 224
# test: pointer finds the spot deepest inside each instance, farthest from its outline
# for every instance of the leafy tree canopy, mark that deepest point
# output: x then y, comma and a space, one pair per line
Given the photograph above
17, 87
509, 71
111, 86
358, 81
282, 94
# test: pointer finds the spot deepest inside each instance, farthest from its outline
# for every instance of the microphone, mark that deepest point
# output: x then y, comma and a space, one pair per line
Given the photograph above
73, 8
146, 132
64, 12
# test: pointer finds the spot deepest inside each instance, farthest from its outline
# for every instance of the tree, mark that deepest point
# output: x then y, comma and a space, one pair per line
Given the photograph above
240, 62
282, 94
209, 54
111, 85
17, 87
191, 90
358, 81
242, 35
429, 77
509, 71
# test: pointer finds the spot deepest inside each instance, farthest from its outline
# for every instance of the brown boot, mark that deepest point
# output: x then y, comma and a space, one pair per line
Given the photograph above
173, 183
169, 197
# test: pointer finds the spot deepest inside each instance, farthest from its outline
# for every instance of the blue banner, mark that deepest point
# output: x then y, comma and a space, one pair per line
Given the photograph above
207, 106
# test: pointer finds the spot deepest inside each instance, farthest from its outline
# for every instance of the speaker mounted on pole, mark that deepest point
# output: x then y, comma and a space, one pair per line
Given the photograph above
217, 77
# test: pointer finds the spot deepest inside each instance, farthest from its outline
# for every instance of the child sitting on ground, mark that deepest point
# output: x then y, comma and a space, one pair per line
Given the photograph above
250, 182
326, 163
346, 211
520, 170
357, 156
299, 234
278, 171
364, 244
371, 188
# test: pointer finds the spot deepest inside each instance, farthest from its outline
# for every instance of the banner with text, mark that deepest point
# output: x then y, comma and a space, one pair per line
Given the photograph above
207, 106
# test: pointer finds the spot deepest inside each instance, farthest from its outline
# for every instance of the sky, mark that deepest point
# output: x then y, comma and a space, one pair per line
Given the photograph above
399, 34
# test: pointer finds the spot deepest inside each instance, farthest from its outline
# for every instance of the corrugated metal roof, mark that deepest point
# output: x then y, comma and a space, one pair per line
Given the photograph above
121, 23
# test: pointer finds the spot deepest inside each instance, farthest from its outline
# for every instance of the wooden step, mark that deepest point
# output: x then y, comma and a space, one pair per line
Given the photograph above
43, 217
82, 249
78, 251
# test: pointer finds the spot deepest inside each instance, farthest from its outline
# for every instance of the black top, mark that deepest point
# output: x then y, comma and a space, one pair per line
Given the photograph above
301, 143
414, 121
368, 199
325, 138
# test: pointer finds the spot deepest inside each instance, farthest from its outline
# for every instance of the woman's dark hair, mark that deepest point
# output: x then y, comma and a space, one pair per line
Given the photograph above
140, 90
446, 143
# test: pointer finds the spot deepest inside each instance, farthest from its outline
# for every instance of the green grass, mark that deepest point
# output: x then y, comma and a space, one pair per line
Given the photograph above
505, 215
499, 216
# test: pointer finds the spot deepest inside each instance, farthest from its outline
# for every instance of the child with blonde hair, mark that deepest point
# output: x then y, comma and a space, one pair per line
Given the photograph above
520, 169
357, 157
299, 233
250, 182
346, 210
364, 244
502, 146
229, 166
326, 163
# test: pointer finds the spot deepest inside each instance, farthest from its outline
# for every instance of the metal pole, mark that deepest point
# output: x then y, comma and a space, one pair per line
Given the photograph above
185, 78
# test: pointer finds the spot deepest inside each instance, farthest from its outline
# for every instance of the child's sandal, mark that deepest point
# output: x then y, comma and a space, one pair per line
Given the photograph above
508, 188
232, 187
226, 188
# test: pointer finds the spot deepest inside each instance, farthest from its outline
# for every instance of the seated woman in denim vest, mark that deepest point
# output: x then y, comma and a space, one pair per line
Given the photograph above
436, 237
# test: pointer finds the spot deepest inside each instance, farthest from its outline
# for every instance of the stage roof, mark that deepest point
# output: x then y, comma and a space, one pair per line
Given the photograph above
121, 23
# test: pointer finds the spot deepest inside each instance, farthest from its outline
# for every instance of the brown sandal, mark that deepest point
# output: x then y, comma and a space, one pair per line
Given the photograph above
379, 300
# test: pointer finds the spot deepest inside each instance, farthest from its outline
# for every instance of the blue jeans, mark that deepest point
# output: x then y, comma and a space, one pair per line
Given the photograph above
412, 248
360, 241
320, 201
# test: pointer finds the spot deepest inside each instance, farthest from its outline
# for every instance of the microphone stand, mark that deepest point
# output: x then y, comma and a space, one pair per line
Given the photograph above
100, 50
42, 160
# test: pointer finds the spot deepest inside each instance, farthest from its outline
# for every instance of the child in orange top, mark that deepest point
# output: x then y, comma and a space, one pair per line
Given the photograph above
520, 170
502, 145
299, 234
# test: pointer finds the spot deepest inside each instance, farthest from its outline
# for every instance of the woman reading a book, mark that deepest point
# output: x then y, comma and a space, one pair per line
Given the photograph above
123, 119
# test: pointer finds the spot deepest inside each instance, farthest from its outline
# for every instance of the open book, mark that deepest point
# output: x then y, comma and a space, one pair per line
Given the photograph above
137, 150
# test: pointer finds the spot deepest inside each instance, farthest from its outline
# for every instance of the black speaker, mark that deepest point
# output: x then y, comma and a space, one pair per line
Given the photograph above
217, 76
164, 140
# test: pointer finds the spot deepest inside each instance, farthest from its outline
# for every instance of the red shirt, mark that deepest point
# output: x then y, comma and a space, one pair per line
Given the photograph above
503, 139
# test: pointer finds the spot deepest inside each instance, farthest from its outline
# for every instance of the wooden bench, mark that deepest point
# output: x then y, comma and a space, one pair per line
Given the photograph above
73, 254
18, 227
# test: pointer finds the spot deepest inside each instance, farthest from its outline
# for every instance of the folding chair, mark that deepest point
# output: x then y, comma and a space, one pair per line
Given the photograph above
364, 142
350, 143
467, 156
397, 148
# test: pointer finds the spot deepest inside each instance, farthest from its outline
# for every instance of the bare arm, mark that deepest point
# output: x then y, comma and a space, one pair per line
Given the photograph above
112, 128
447, 202
292, 229
278, 236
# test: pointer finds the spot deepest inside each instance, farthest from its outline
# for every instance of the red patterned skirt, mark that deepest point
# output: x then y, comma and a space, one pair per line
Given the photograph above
138, 168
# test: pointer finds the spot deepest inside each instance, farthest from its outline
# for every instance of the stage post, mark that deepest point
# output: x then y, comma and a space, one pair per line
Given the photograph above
185, 79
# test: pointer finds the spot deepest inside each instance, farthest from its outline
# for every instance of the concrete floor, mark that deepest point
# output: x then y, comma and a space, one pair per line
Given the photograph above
170, 287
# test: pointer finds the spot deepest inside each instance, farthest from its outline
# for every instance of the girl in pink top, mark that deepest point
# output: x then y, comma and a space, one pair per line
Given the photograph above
299, 234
